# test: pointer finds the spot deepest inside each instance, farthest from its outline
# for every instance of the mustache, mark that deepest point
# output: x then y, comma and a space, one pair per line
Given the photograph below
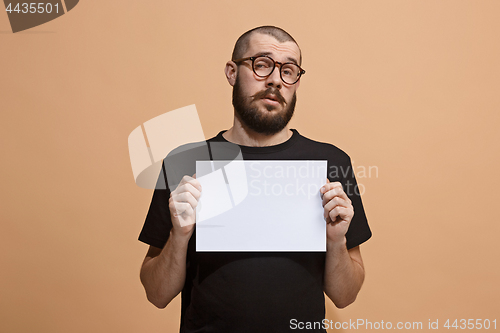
270, 91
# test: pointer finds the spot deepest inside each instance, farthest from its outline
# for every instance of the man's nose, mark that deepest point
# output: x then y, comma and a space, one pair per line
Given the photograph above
274, 80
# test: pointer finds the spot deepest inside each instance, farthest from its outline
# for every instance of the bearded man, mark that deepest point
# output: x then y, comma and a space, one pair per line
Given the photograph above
257, 291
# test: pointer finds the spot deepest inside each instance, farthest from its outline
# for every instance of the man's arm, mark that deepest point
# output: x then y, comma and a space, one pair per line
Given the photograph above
344, 271
344, 274
163, 271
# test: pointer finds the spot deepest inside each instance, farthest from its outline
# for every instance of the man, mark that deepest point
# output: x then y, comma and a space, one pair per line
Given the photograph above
257, 292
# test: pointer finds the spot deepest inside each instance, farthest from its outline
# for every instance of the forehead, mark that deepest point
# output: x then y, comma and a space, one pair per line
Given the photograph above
266, 44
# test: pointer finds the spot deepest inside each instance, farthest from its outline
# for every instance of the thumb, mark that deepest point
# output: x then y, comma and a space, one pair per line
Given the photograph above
194, 176
327, 180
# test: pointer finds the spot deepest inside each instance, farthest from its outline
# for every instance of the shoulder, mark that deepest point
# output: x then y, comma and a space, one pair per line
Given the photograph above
199, 150
193, 148
322, 148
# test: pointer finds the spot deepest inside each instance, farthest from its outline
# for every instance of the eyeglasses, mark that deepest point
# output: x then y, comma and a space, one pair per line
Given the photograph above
263, 66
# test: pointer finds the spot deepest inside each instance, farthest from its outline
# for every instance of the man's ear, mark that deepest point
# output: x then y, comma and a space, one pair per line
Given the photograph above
231, 71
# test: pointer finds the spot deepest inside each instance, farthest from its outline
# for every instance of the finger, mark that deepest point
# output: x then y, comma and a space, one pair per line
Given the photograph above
334, 193
328, 186
186, 197
186, 179
332, 215
339, 214
187, 184
183, 181
189, 188
180, 208
325, 188
336, 202
346, 201
187, 216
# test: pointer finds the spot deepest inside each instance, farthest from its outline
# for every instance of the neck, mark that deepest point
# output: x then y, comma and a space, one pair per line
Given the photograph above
242, 135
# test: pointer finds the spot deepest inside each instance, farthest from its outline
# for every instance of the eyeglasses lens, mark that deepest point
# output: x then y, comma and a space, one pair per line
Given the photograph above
263, 66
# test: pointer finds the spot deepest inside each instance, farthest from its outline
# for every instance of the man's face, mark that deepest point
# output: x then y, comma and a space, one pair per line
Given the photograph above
265, 105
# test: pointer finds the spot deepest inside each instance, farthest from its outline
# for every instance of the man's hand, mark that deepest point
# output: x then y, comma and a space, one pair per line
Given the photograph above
182, 203
338, 210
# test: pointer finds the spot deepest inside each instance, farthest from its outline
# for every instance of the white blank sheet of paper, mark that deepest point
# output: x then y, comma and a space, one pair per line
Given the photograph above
260, 206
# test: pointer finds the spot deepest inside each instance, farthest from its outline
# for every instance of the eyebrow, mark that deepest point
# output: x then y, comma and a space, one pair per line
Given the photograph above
270, 53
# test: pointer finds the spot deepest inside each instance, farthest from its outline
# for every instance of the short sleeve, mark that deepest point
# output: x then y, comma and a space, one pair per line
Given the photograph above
359, 230
157, 226
177, 164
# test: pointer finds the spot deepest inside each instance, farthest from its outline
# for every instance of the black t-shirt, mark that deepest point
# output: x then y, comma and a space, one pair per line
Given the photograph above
239, 292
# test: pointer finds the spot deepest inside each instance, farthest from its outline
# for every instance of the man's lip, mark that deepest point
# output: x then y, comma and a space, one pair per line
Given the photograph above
271, 97
271, 101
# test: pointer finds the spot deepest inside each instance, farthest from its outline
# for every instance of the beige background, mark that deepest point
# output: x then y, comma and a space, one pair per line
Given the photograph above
411, 87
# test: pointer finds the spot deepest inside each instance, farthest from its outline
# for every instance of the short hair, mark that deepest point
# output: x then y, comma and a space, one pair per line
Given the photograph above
243, 43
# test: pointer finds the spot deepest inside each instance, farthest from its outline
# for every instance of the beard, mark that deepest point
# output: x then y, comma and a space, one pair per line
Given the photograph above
263, 122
